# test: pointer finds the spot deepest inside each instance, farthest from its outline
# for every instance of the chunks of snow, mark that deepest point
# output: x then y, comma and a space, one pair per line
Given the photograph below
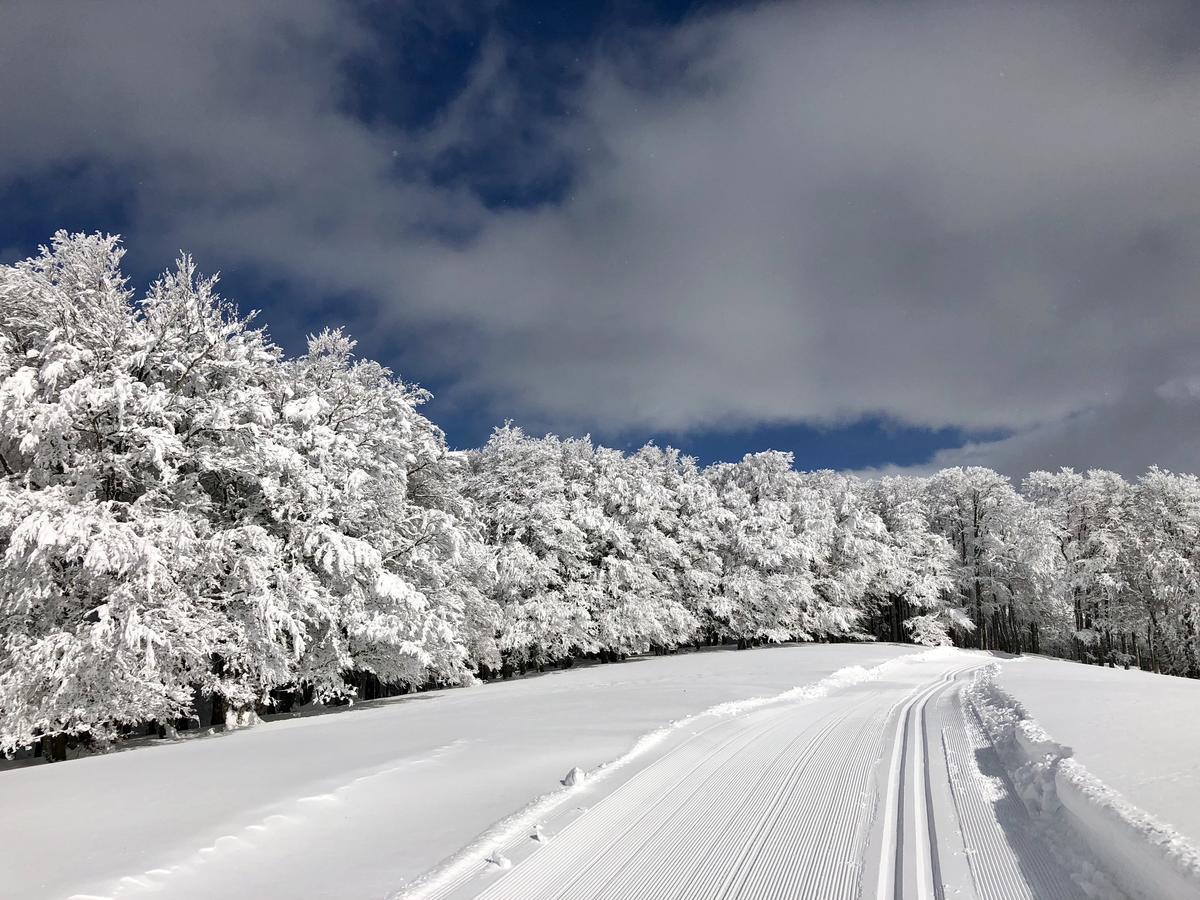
574, 777
302, 411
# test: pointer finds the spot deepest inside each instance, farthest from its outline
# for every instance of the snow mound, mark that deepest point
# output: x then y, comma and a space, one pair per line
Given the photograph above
500, 861
574, 777
1147, 858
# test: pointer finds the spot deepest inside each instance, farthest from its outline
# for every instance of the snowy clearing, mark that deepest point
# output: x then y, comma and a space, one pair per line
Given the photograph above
868, 790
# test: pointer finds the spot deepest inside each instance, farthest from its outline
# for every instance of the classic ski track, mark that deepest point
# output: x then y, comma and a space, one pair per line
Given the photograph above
789, 802
786, 781
891, 883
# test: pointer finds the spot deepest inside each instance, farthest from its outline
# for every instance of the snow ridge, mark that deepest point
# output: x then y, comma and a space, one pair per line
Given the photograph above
467, 862
1146, 858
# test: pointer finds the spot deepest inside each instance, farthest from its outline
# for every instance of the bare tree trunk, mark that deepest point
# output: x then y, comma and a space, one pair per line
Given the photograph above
55, 747
1150, 643
1189, 649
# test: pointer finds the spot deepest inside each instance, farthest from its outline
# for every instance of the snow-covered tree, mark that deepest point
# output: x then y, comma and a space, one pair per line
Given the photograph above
771, 535
635, 549
913, 587
855, 552
1160, 568
1006, 571
542, 574
110, 411
1085, 513
679, 530
184, 514
377, 522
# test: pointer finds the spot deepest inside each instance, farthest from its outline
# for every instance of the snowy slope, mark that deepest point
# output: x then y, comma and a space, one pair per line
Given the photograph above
1137, 732
355, 803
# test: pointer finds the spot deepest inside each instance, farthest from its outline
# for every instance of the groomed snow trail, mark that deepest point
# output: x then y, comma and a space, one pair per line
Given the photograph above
883, 789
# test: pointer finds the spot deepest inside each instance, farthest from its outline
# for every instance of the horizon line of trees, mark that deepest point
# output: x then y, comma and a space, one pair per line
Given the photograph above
195, 529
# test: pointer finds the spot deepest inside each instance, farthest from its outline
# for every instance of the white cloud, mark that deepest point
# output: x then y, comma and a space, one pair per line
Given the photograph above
980, 216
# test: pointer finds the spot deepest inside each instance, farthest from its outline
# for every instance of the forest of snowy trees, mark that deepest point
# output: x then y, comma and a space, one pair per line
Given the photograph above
197, 529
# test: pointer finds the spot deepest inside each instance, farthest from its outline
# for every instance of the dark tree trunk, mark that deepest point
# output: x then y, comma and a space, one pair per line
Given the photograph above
55, 747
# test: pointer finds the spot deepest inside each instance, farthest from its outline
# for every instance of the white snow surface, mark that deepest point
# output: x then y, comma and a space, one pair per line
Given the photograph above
868, 786
1137, 732
358, 802
1082, 815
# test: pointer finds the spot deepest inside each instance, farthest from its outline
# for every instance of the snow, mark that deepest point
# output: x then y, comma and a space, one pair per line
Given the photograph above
813, 796
1083, 816
355, 803
448, 793
1137, 732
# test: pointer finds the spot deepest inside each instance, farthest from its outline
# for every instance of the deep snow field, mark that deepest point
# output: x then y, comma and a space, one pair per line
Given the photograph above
361, 802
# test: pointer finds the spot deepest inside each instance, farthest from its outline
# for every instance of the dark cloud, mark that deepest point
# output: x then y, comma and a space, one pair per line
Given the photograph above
982, 216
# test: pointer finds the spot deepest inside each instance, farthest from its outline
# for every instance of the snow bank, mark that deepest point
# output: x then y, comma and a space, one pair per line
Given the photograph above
1146, 858
1136, 731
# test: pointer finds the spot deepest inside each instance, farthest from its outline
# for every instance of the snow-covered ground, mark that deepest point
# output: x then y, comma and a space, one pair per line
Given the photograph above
834, 797
821, 771
1137, 732
355, 803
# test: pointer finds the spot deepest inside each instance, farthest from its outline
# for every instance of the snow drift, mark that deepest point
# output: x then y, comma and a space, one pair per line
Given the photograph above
1147, 858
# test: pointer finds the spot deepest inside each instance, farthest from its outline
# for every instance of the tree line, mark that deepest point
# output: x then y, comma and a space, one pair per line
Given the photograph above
196, 529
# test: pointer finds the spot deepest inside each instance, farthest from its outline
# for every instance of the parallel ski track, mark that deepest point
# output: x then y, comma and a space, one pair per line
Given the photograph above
779, 808
908, 844
788, 803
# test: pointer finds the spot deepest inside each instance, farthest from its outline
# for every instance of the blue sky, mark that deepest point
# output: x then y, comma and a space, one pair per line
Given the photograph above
881, 236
